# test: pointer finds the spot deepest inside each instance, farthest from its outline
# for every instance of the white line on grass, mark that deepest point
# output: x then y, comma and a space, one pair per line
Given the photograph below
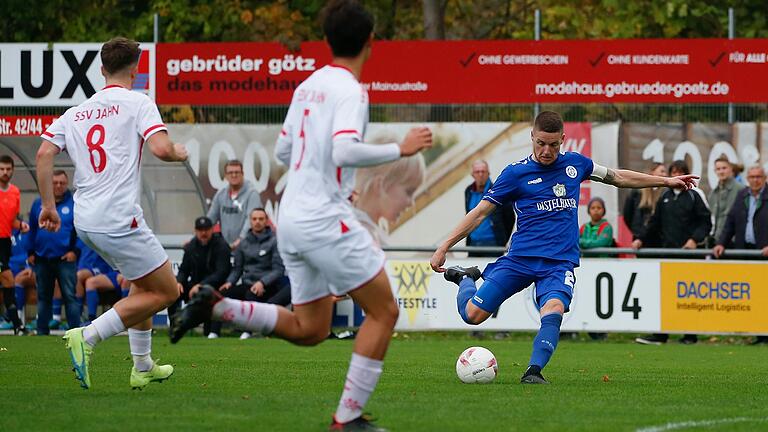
692, 423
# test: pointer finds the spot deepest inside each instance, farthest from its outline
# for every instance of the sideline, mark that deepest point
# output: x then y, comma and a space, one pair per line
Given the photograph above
697, 423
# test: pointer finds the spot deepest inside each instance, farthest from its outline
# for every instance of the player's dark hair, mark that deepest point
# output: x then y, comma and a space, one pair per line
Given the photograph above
60, 173
261, 209
233, 162
347, 27
679, 165
119, 53
5, 159
548, 121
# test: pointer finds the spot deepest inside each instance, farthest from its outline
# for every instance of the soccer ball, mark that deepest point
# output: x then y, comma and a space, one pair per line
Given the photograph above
476, 365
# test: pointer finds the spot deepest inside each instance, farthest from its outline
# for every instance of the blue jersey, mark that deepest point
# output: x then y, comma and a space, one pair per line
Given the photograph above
18, 261
546, 201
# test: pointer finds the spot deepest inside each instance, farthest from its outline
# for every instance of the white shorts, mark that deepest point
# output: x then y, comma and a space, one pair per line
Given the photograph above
333, 269
135, 253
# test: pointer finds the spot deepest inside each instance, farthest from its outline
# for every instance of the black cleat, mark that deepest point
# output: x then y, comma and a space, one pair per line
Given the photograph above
363, 423
197, 311
689, 339
651, 340
533, 376
456, 273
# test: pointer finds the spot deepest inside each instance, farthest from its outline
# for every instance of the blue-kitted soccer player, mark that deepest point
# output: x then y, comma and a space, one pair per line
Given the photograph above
545, 249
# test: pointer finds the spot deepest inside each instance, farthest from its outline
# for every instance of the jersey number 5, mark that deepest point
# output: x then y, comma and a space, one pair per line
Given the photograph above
95, 148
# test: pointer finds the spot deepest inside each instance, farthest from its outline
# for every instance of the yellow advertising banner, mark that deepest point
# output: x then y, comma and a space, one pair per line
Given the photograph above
714, 297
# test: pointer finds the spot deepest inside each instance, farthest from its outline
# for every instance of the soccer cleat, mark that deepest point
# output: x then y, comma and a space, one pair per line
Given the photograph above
533, 375
213, 335
198, 310
158, 373
689, 339
362, 423
80, 353
650, 340
245, 335
456, 273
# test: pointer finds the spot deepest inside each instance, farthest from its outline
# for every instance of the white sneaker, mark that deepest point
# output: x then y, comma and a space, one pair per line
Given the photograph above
213, 335
245, 335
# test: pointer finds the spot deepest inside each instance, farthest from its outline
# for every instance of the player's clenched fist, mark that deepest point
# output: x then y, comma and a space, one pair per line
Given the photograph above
49, 219
418, 138
437, 261
181, 152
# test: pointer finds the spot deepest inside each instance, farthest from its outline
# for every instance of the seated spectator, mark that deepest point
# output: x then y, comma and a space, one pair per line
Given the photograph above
746, 226
258, 263
596, 233
94, 275
206, 261
23, 277
681, 219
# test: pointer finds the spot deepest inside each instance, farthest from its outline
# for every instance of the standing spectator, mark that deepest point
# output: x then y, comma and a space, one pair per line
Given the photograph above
722, 197
495, 229
747, 224
232, 204
598, 232
639, 206
259, 264
54, 256
206, 261
681, 220
10, 201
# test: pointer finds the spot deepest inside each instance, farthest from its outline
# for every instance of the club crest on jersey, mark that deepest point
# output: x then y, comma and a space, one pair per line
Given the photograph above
559, 190
571, 172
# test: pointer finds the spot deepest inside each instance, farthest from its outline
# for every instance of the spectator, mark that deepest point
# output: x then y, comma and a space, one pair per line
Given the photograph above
596, 233
54, 257
639, 206
10, 201
206, 261
258, 262
24, 279
746, 226
94, 275
384, 191
681, 219
722, 197
496, 228
232, 204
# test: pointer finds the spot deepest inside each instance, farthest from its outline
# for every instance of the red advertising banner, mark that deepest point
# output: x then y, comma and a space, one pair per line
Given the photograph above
576, 71
24, 125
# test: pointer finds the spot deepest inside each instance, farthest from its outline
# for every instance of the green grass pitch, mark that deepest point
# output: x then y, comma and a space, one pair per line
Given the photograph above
267, 384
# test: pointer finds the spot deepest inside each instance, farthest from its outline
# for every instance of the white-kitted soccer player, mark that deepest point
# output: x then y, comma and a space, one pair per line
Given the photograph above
104, 137
326, 251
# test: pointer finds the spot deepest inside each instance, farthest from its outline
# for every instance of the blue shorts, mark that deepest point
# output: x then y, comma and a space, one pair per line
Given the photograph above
17, 267
508, 276
111, 275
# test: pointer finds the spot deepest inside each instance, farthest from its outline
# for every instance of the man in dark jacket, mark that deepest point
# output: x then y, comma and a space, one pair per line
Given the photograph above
54, 257
206, 261
496, 228
258, 263
681, 220
746, 226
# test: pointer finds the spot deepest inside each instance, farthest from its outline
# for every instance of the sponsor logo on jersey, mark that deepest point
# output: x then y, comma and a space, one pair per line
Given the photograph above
571, 171
557, 204
559, 190
535, 181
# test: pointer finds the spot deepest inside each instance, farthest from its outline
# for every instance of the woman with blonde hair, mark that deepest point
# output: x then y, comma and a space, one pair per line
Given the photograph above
383, 192
639, 206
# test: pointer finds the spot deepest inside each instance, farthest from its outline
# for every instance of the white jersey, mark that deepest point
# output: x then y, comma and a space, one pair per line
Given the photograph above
315, 208
104, 137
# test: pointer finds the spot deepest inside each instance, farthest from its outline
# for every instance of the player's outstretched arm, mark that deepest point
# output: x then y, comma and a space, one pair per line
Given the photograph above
348, 152
471, 221
632, 179
161, 146
49, 218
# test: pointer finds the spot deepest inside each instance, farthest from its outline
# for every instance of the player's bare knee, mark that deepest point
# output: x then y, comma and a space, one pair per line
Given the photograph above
312, 339
553, 306
476, 315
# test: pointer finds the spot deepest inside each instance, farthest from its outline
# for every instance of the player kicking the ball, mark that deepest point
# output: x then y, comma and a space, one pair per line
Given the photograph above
326, 251
545, 249
104, 137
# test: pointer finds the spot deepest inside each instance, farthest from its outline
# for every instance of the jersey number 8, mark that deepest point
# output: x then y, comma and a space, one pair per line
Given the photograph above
95, 148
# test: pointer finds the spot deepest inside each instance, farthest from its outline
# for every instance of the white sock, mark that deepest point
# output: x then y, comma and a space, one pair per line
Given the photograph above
56, 317
141, 348
103, 327
251, 316
362, 377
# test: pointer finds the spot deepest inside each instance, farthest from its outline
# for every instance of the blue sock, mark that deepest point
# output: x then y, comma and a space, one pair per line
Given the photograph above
125, 292
57, 303
92, 299
546, 340
21, 297
467, 290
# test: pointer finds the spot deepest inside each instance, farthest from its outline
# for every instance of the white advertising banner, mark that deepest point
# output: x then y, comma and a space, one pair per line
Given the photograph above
61, 74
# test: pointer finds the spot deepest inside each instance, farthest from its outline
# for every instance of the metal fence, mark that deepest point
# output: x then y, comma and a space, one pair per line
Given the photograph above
638, 113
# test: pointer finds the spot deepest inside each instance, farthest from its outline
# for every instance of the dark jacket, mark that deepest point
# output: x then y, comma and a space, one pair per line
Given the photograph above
502, 219
679, 217
637, 218
205, 264
736, 223
257, 259
48, 244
